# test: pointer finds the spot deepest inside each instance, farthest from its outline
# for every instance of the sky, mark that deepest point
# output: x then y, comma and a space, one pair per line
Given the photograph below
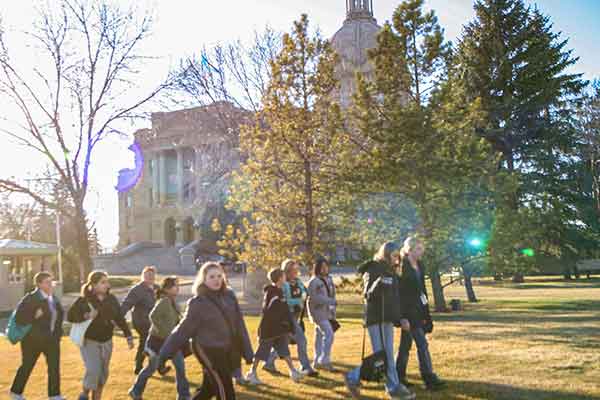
183, 27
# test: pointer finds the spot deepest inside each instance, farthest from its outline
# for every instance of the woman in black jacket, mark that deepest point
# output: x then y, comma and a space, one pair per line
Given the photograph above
96, 303
382, 313
214, 322
413, 294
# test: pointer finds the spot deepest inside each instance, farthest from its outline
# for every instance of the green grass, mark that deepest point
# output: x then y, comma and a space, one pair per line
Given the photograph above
540, 340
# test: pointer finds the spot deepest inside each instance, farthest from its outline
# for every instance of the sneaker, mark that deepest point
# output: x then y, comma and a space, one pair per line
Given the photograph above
133, 395
325, 367
252, 379
403, 393
271, 369
406, 383
296, 375
164, 370
435, 384
310, 372
241, 381
83, 397
59, 397
14, 396
353, 388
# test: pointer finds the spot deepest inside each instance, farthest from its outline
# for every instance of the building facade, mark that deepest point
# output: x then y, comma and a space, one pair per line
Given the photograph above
187, 156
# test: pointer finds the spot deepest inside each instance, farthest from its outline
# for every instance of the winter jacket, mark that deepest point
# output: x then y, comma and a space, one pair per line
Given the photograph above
381, 292
294, 293
109, 314
164, 316
142, 299
321, 302
205, 324
276, 320
412, 287
40, 328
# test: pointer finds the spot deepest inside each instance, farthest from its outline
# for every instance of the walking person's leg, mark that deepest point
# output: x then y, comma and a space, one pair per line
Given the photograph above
30, 353
403, 355
52, 354
302, 346
91, 355
137, 390
105, 356
425, 365
270, 363
318, 346
327, 334
183, 385
140, 353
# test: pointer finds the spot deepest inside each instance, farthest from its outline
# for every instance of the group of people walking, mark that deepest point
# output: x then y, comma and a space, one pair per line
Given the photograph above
214, 331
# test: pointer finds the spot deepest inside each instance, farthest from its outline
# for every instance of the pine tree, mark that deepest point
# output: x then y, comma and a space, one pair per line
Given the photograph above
288, 177
421, 146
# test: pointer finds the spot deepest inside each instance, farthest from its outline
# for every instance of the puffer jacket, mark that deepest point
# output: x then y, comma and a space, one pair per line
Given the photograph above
276, 318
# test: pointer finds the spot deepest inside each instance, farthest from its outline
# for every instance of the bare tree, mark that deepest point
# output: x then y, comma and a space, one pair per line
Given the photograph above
78, 92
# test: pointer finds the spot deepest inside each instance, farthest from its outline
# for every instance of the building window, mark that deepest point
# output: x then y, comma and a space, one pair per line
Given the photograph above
14, 270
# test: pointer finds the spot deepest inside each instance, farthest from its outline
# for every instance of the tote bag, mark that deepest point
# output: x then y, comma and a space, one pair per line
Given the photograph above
78, 330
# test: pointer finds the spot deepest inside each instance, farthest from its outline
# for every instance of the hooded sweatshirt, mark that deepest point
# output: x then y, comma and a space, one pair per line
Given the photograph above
381, 291
276, 318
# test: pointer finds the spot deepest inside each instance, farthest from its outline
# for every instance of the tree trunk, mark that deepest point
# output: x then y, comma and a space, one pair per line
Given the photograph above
469, 288
82, 245
438, 291
518, 277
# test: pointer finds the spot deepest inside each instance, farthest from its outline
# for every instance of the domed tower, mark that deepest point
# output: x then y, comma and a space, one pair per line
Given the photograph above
351, 42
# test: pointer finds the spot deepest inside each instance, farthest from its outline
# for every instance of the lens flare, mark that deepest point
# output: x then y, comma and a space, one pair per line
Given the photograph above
128, 177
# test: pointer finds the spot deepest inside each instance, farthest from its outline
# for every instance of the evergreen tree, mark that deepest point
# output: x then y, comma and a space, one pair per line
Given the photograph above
422, 147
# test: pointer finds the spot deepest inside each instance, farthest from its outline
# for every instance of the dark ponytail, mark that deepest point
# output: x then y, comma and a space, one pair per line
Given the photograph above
92, 280
166, 284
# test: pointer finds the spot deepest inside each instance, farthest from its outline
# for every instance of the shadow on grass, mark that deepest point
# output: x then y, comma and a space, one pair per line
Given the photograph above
458, 390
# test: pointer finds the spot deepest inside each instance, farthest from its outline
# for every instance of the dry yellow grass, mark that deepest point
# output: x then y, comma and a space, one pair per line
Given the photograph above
536, 341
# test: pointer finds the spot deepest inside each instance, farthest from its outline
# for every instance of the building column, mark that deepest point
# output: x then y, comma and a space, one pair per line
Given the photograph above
155, 181
179, 225
198, 172
179, 151
162, 177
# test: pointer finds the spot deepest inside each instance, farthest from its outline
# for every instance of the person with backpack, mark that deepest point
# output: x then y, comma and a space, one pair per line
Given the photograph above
97, 304
295, 294
275, 327
214, 322
413, 294
322, 311
42, 311
383, 310
141, 299
164, 317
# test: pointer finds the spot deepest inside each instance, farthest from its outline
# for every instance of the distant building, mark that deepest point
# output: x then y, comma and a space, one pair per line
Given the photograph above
188, 158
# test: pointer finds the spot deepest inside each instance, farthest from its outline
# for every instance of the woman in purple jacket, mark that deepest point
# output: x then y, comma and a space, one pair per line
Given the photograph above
214, 322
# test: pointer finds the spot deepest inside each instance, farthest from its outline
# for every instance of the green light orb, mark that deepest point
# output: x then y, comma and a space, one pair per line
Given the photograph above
528, 252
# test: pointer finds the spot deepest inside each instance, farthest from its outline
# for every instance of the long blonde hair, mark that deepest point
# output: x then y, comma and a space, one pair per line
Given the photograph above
203, 272
286, 266
409, 244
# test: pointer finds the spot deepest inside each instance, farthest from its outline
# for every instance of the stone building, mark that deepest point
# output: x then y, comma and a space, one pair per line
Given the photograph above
185, 159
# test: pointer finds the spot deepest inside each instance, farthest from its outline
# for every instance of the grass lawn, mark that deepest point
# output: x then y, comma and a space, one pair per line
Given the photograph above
539, 340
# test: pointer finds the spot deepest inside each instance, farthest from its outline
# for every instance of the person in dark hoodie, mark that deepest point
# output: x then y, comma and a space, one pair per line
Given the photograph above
43, 311
275, 328
142, 298
214, 322
414, 297
96, 303
383, 310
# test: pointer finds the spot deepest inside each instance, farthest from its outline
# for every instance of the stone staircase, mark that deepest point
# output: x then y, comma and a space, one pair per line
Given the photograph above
132, 259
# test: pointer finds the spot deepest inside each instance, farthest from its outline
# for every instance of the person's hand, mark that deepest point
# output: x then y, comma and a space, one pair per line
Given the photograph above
90, 315
38, 313
130, 343
404, 324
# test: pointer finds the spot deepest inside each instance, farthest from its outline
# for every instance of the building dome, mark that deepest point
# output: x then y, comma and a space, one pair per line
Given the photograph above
351, 42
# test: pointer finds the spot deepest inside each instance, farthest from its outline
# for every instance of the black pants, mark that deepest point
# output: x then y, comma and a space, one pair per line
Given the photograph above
30, 352
221, 366
140, 354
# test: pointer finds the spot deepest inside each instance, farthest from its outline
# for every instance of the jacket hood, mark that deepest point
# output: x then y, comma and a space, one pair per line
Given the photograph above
270, 288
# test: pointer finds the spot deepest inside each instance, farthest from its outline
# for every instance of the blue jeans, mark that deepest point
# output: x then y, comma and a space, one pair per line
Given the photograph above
392, 382
425, 366
300, 339
183, 386
323, 342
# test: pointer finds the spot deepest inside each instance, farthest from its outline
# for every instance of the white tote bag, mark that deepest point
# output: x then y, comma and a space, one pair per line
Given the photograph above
78, 329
